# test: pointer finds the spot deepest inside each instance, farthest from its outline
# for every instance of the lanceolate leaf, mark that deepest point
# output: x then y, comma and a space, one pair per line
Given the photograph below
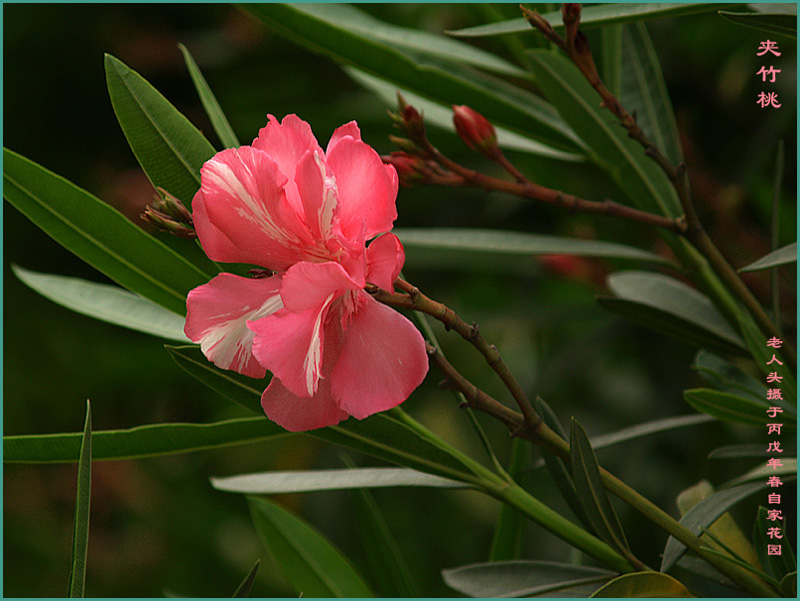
268, 483
168, 147
782, 256
643, 584
106, 303
141, 441
730, 407
380, 435
644, 91
525, 579
498, 242
780, 24
705, 513
99, 234
243, 590
218, 120
591, 491
776, 566
726, 377
244, 391
388, 568
595, 16
308, 560
556, 467
359, 23
432, 77
80, 540
578, 104
672, 307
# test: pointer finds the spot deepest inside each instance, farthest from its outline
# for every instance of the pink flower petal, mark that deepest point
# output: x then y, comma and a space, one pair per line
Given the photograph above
382, 361
291, 346
286, 142
366, 191
385, 258
299, 414
309, 285
348, 129
217, 315
317, 192
242, 199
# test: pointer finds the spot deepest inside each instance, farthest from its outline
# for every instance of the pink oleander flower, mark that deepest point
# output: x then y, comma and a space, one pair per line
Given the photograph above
288, 206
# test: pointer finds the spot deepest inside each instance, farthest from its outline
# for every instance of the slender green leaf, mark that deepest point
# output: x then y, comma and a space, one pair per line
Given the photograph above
80, 540
142, 441
244, 391
357, 22
770, 362
755, 450
776, 23
243, 590
106, 303
611, 58
705, 513
168, 147
729, 407
703, 580
497, 242
218, 120
309, 561
441, 115
643, 584
99, 234
389, 571
435, 78
380, 435
782, 256
269, 483
387, 438
591, 491
507, 537
789, 585
671, 307
556, 466
725, 376
645, 184
644, 91
525, 579
787, 470
776, 566
595, 16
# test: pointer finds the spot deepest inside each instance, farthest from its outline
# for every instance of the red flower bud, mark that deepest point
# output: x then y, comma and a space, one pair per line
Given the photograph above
476, 131
410, 169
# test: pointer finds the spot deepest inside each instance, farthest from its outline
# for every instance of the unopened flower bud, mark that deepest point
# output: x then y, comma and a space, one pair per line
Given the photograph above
414, 126
166, 203
476, 131
410, 169
167, 223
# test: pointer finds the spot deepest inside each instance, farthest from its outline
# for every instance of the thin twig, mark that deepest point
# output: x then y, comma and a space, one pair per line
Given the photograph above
577, 49
414, 299
528, 189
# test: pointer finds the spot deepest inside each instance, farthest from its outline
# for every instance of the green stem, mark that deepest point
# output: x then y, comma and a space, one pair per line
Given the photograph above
554, 443
514, 495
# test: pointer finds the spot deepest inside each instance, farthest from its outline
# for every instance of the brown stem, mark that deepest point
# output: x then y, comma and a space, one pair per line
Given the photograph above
527, 189
580, 54
414, 299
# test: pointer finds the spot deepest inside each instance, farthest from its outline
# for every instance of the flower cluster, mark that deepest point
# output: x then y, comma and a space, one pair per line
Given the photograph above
305, 214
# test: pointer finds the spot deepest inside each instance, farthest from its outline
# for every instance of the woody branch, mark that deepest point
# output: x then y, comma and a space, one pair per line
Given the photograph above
576, 47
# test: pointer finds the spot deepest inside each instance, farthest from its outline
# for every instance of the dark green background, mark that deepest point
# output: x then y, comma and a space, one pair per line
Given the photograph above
157, 526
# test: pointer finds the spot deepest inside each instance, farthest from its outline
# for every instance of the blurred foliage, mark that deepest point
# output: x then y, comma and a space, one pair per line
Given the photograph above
157, 526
